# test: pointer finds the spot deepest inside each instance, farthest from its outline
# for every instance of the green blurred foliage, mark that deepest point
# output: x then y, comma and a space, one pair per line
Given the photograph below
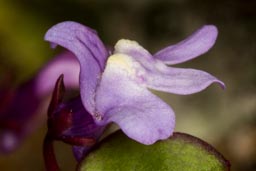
226, 119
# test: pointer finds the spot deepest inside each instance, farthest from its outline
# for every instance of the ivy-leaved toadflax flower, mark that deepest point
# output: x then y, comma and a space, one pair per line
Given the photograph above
114, 87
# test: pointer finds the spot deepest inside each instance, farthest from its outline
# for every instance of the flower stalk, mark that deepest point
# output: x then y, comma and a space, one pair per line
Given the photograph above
50, 160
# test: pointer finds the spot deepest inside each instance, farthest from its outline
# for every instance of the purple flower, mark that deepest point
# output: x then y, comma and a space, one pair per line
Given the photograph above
115, 87
19, 114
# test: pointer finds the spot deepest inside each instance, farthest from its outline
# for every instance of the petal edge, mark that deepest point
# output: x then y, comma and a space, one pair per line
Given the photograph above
196, 44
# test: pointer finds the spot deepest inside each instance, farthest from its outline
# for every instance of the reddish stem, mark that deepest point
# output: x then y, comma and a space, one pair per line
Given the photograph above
50, 161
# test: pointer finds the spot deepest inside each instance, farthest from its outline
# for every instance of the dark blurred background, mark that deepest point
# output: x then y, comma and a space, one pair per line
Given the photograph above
225, 119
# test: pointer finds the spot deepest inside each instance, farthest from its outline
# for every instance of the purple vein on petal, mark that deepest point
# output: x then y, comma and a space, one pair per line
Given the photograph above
90, 52
180, 81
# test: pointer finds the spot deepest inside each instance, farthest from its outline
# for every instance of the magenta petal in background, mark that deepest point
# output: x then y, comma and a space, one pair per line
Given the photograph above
196, 44
89, 50
65, 63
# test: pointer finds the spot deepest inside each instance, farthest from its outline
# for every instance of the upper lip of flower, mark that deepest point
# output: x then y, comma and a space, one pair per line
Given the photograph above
107, 89
82, 41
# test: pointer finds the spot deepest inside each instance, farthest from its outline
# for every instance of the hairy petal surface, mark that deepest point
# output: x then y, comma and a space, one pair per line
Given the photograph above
121, 99
89, 50
196, 44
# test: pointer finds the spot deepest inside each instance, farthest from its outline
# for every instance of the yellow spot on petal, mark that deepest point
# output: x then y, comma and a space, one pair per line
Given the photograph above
121, 61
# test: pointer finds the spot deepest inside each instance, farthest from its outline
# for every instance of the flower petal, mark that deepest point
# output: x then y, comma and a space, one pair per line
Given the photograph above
178, 80
154, 73
139, 113
90, 51
196, 44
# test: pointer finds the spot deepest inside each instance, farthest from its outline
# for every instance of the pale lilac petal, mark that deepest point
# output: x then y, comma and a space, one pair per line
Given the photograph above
90, 51
141, 115
180, 81
196, 44
64, 63
155, 74
152, 121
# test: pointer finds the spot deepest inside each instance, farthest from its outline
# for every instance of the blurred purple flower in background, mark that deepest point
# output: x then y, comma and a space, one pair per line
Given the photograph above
19, 108
114, 87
